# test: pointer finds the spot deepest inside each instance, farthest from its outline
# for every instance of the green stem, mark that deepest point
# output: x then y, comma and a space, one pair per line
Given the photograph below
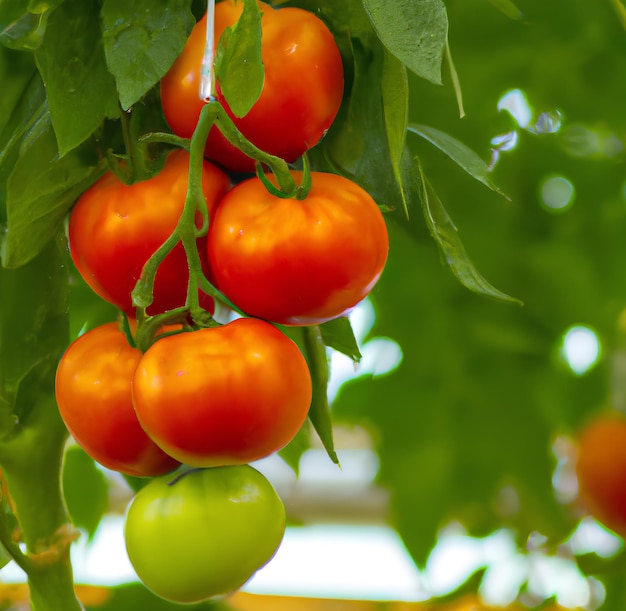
279, 167
49, 587
165, 138
11, 547
136, 149
186, 231
31, 462
305, 186
148, 326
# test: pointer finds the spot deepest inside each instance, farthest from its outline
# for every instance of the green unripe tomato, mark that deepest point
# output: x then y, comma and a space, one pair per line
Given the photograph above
203, 533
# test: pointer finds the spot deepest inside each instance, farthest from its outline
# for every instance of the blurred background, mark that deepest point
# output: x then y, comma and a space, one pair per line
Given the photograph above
456, 486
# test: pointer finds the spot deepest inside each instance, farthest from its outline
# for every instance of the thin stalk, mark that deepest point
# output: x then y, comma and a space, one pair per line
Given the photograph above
187, 233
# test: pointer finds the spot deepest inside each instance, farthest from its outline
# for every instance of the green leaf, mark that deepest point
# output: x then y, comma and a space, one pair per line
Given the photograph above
23, 22
27, 111
238, 64
415, 32
358, 143
136, 483
85, 490
81, 91
508, 8
395, 88
141, 41
293, 451
456, 83
319, 412
41, 189
461, 154
33, 320
447, 238
338, 335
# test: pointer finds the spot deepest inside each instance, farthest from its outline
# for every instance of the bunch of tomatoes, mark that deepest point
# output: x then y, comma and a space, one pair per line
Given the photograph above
198, 402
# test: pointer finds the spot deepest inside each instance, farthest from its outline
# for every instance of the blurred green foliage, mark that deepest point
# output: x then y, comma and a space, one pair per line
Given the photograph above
482, 391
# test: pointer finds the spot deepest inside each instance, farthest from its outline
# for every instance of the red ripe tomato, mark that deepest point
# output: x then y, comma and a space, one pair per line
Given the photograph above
115, 228
297, 262
601, 469
94, 395
301, 95
225, 395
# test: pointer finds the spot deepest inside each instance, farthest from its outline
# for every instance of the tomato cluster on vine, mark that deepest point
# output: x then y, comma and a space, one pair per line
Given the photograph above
175, 393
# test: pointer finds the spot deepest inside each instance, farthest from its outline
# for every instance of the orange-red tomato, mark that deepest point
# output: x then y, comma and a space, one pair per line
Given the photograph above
93, 392
115, 228
301, 95
601, 469
297, 262
225, 395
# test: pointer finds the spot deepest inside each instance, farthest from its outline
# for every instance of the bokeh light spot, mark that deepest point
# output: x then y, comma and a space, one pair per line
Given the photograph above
580, 348
557, 193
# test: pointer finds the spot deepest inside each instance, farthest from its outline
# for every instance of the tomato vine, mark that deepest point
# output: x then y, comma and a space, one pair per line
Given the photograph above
82, 54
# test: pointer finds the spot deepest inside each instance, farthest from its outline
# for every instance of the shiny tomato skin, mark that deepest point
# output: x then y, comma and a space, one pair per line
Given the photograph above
203, 533
114, 229
93, 392
297, 262
225, 395
301, 95
601, 469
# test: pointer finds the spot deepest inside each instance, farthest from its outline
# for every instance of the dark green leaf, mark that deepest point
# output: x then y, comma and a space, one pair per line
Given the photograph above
41, 189
141, 41
16, 72
238, 64
508, 7
33, 320
85, 490
461, 154
447, 237
81, 91
346, 19
395, 88
338, 335
86, 309
5, 558
415, 32
293, 451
